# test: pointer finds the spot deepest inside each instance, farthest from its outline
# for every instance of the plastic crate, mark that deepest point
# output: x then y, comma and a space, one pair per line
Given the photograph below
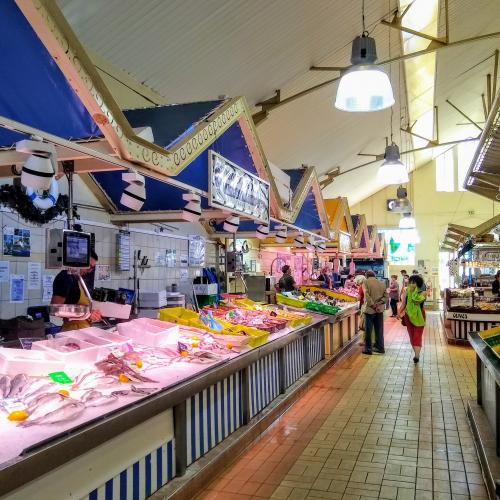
288, 301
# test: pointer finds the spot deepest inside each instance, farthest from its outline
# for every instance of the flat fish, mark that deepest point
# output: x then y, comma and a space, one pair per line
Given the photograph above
65, 413
18, 383
35, 390
96, 398
5, 384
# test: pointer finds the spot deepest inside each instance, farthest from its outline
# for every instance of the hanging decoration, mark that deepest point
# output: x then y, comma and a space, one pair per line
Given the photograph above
14, 197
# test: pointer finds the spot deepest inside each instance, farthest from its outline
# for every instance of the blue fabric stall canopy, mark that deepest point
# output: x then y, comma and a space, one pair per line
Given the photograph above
170, 124
33, 90
308, 217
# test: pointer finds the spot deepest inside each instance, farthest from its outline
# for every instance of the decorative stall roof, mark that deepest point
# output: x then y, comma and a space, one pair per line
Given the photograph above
455, 234
339, 216
483, 176
33, 88
361, 237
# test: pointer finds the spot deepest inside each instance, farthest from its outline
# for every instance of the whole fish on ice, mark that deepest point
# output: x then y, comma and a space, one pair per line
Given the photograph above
65, 413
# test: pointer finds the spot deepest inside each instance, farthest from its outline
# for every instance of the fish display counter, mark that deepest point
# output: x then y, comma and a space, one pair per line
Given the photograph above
135, 407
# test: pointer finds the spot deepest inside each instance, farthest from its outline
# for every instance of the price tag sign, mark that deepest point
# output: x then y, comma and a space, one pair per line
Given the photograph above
60, 378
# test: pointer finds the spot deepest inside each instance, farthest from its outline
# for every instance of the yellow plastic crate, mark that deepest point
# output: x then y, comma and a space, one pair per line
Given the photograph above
491, 331
288, 301
330, 293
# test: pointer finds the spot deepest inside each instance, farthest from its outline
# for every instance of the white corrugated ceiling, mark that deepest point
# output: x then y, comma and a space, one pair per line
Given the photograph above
192, 50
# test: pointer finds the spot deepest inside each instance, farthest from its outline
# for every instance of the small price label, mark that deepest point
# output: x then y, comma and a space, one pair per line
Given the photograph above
60, 378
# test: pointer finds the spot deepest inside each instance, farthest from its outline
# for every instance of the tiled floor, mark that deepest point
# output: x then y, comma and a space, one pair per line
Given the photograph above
371, 427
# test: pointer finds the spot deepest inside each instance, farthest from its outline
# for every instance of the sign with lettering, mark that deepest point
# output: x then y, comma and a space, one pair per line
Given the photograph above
236, 190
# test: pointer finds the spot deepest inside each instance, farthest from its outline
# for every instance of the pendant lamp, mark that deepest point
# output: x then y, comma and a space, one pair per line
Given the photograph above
407, 222
364, 86
392, 170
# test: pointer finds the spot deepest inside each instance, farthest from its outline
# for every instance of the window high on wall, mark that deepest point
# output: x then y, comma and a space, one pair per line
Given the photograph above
465, 152
445, 172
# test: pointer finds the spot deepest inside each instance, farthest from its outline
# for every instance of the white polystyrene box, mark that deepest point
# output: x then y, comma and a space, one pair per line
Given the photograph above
33, 363
112, 310
88, 353
149, 331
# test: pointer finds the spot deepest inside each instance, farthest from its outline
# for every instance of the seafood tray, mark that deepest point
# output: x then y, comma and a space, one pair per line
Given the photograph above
69, 350
289, 301
237, 341
87, 335
33, 363
149, 332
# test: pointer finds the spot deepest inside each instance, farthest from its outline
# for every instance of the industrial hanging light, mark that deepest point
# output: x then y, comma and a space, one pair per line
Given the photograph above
392, 170
321, 246
192, 211
407, 222
364, 86
231, 223
40, 167
262, 232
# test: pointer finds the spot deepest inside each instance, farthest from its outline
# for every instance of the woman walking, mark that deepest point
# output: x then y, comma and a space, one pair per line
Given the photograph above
394, 295
413, 314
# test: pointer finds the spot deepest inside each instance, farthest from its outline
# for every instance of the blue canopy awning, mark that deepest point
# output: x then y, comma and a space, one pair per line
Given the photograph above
33, 89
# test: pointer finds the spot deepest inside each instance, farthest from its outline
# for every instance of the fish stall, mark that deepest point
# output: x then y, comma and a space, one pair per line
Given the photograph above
168, 391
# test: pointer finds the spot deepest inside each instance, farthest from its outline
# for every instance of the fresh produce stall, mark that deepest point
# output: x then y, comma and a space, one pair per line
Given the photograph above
173, 390
470, 310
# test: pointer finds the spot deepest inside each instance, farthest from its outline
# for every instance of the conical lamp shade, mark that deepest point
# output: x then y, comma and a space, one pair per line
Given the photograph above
407, 222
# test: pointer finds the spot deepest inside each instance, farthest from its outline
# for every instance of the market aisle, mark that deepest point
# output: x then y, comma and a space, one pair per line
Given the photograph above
371, 427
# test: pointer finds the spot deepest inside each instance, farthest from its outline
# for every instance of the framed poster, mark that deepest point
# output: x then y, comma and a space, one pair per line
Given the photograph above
196, 252
236, 190
17, 242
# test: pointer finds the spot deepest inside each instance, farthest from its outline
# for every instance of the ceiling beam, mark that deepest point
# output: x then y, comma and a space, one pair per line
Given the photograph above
458, 110
397, 24
275, 102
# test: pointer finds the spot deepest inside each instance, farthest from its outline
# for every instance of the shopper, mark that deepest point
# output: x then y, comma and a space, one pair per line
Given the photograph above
66, 290
416, 273
375, 295
326, 277
359, 280
349, 282
413, 314
394, 295
286, 282
495, 286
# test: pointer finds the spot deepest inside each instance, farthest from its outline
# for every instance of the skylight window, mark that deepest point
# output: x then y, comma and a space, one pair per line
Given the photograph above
445, 172
465, 153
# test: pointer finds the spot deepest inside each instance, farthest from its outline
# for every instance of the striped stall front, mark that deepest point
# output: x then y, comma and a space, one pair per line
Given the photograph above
294, 361
141, 479
264, 382
316, 339
460, 328
213, 414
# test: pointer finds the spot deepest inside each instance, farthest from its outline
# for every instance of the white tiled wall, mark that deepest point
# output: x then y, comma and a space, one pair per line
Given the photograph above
154, 278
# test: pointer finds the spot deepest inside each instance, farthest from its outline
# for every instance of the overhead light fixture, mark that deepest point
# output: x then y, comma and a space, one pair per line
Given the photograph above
407, 222
392, 170
134, 195
40, 167
280, 234
310, 245
192, 211
364, 86
299, 240
231, 224
262, 232
133, 177
402, 204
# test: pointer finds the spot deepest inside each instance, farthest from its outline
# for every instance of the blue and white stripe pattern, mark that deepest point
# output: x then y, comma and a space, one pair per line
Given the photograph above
141, 479
316, 339
213, 414
264, 382
294, 359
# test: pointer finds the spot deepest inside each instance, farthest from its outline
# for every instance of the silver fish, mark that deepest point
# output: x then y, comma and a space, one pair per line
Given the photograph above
45, 404
4, 386
96, 398
69, 411
135, 391
17, 385
36, 389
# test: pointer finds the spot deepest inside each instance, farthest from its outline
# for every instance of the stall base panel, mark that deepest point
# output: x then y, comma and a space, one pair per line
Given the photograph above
315, 348
488, 388
141, 479
213, 414
460, 328
294, 362
264, 382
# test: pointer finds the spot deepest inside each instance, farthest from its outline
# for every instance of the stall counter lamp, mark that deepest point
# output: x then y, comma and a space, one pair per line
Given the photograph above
365, 86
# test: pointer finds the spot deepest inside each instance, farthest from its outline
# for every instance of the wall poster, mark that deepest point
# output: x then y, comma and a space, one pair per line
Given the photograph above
17, 242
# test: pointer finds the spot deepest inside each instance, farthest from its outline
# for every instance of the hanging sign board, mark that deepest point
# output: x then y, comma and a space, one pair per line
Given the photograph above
344, 243
235, 190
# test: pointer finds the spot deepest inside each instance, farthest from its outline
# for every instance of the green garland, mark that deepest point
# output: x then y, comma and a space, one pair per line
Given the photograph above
13, 196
